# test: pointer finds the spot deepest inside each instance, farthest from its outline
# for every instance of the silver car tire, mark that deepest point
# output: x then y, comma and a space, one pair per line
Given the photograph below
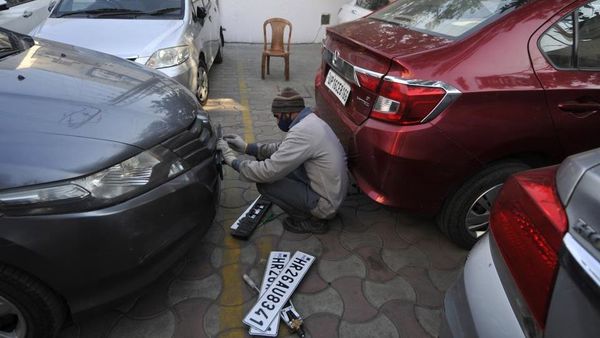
27, 307
202, 90
465, 215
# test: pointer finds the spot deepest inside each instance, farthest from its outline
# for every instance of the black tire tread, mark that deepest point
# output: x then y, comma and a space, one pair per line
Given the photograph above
35, 300
451, 218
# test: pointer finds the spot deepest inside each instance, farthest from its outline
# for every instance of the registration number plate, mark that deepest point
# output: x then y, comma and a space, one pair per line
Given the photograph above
338, 86
271, 302
275, 264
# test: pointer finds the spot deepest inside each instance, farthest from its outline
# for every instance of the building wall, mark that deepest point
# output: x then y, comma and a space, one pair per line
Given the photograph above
243, 19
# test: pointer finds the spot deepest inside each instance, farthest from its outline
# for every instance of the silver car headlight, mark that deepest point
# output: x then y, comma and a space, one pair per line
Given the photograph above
133, 176
168, 57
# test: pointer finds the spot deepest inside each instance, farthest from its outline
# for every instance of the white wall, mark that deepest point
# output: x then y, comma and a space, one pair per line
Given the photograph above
243, 19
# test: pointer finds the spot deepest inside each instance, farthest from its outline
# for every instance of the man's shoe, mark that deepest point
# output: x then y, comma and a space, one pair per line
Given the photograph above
306, 225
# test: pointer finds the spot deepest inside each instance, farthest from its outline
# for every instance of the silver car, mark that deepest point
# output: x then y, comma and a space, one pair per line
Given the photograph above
537, 272
181, 38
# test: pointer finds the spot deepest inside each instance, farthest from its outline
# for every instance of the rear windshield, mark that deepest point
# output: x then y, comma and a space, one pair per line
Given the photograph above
451, 18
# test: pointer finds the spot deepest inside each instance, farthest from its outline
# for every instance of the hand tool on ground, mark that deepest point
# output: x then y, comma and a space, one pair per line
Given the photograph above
290, 316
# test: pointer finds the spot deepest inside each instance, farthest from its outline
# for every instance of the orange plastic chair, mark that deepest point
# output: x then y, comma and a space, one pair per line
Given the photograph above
277, 47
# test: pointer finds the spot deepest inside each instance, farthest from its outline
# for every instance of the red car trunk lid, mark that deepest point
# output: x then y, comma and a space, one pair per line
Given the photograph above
369, 45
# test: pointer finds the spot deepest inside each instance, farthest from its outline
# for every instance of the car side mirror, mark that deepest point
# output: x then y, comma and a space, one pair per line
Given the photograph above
200, 12
51, 5
3, 5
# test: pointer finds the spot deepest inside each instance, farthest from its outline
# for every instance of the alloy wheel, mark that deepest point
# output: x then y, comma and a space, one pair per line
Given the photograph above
12, 322
477, 220
202, 92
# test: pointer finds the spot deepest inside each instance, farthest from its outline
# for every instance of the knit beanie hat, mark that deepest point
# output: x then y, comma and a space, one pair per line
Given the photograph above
288, 101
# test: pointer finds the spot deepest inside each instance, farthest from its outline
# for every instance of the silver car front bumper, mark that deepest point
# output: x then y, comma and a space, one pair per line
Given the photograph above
477, 305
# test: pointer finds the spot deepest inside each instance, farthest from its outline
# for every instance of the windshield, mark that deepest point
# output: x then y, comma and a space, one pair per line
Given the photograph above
164, 9
451, 18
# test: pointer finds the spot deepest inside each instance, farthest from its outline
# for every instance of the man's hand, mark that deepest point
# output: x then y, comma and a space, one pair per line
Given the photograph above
228, 155
236, 142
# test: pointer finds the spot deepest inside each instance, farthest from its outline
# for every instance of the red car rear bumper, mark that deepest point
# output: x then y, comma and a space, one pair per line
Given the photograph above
409, 167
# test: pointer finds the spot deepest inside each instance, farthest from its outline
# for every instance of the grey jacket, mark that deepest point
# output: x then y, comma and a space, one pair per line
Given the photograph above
309, 142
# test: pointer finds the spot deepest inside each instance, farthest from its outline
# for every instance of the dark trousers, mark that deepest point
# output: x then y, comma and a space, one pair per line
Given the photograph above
292, 194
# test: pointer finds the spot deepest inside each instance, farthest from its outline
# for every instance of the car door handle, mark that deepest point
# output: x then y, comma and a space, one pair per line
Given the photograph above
579, 108
27, 14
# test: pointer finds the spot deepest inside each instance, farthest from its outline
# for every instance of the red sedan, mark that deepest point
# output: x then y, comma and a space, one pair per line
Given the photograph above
438, 101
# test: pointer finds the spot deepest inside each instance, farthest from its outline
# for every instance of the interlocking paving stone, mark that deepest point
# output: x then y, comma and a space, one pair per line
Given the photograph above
160, 326
427, 293
402, 314
443, 279
442, 253
233, 198
429, 319
350, 223
377, 271
380, 327
386, 231
209, 287
196, 266
154, 299
413, 228
190, 315
244, 255
219, 318
356, 307
214, 235
352, 266
353, 241
292, 236
326, 301
96, 327
398, 259
312, 282
396, 289
322, 325
332, 248
311, 246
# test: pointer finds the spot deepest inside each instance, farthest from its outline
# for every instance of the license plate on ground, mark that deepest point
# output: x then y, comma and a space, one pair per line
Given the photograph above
338, 86
277, 261
269, 305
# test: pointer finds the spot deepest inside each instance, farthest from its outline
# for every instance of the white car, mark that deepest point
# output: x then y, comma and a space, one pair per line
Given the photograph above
357, 9
180, 38
22, 16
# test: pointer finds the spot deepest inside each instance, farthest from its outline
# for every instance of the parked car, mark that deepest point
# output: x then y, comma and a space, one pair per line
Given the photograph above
181, 38
357, 9
438, 105
537, 273
107, 176
23, 15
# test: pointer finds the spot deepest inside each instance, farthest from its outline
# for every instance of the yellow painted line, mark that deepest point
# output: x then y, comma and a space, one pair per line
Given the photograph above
231, 311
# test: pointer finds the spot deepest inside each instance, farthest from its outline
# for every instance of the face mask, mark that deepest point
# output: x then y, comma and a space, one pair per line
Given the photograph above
284, 123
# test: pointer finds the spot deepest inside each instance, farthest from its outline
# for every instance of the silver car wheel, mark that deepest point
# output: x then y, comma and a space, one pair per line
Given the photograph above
11, 320
202, 84
477, 220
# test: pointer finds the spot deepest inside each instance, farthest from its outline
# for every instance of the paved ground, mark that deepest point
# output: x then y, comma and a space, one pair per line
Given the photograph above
379, 273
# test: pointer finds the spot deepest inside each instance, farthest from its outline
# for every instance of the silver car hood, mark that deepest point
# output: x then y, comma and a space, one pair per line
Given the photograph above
125, 38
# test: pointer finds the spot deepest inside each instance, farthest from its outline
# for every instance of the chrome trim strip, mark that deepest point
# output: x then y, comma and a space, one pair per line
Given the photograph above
451, 93
587, 262
358, 69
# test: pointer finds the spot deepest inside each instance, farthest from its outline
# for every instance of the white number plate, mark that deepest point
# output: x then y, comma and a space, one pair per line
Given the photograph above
338, 86
270, 303
275, 264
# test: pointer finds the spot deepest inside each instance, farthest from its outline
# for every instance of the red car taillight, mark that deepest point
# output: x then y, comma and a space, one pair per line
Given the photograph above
405, 103
528, 223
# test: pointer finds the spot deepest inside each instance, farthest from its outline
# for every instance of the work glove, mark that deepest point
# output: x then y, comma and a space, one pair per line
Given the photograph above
236, 142
228, 154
